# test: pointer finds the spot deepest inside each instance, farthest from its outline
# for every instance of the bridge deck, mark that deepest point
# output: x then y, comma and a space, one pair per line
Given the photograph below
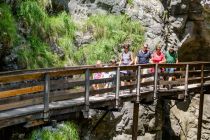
76, 105
21, 106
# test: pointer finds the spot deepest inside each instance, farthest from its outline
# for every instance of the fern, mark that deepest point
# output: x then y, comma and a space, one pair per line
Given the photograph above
8, 29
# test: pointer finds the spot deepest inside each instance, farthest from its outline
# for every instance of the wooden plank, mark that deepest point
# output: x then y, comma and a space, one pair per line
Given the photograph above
181, 81
179, 65
19, 120
21, 77
65, 95
67, 84
22, 84
206, 79
44, 70
20, 98
102, 69
46, 97
67, 72
21, 91
87, 93
23, 103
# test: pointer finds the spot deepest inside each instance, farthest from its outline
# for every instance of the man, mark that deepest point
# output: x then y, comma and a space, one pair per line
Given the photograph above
171, 57
143, 56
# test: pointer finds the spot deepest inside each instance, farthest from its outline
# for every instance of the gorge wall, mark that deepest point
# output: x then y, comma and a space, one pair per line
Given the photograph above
180, 23
184, 24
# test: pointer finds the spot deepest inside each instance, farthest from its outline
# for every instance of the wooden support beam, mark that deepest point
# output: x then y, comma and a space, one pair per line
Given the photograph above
186, 81
46, 97
200, 117
138, 84
87, 93
155, 81
135, 121
117, 87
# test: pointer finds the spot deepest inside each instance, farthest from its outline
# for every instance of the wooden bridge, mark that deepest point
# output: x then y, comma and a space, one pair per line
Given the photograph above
33, 97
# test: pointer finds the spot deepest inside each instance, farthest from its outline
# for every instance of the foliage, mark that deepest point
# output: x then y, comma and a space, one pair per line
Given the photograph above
44, 3
34, 17
109, 31
130, 2
8, 29
61, 25
43, 30
69, 131
36, 54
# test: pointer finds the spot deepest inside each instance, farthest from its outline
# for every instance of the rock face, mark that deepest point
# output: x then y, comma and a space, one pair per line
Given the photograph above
180, 23
184, 24
181, 119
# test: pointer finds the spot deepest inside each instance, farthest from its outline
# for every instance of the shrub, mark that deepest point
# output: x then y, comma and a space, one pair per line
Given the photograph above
69, 131
8, 29
42, 29
109, 31
36, 54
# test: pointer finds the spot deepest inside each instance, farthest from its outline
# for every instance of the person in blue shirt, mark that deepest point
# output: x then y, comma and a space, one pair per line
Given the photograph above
142, 57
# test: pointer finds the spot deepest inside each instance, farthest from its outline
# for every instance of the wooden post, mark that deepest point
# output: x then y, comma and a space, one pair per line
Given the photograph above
155, 81
87, 92
200, 117
186, 82
138, 84
135, 121
46, 97
117, 87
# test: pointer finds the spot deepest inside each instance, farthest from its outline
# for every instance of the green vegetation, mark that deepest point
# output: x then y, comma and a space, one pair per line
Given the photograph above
69, 131
109, 31
36, 54
40, 32
43, 30
8, 30
130, 2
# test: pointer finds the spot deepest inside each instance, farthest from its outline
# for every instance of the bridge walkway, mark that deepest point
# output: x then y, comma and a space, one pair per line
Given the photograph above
34, 97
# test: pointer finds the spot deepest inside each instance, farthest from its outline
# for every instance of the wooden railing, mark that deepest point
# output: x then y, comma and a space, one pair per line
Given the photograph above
27, 88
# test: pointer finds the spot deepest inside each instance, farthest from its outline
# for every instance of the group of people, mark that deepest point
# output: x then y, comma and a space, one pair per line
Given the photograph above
143, 56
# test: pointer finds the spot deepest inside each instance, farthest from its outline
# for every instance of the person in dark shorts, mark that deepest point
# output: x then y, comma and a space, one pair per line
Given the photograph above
126, 59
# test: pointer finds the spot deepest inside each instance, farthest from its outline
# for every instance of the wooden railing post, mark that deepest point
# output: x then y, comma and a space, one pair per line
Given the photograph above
87, 92
155, 81
135, 120
200, 117
138, 84
117, 87
186, 82
46, 97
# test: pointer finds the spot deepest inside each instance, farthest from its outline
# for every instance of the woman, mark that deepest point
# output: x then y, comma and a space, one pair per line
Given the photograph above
157, 57
126, 59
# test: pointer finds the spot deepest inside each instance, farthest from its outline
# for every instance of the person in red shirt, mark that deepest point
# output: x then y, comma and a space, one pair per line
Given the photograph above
157, 57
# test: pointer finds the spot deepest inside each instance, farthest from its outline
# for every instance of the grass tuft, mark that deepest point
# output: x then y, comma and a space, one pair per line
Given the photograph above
109, 31
43, 30
69, 131
8, 29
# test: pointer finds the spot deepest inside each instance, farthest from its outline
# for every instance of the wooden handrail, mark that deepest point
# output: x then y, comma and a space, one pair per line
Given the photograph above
22, 83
